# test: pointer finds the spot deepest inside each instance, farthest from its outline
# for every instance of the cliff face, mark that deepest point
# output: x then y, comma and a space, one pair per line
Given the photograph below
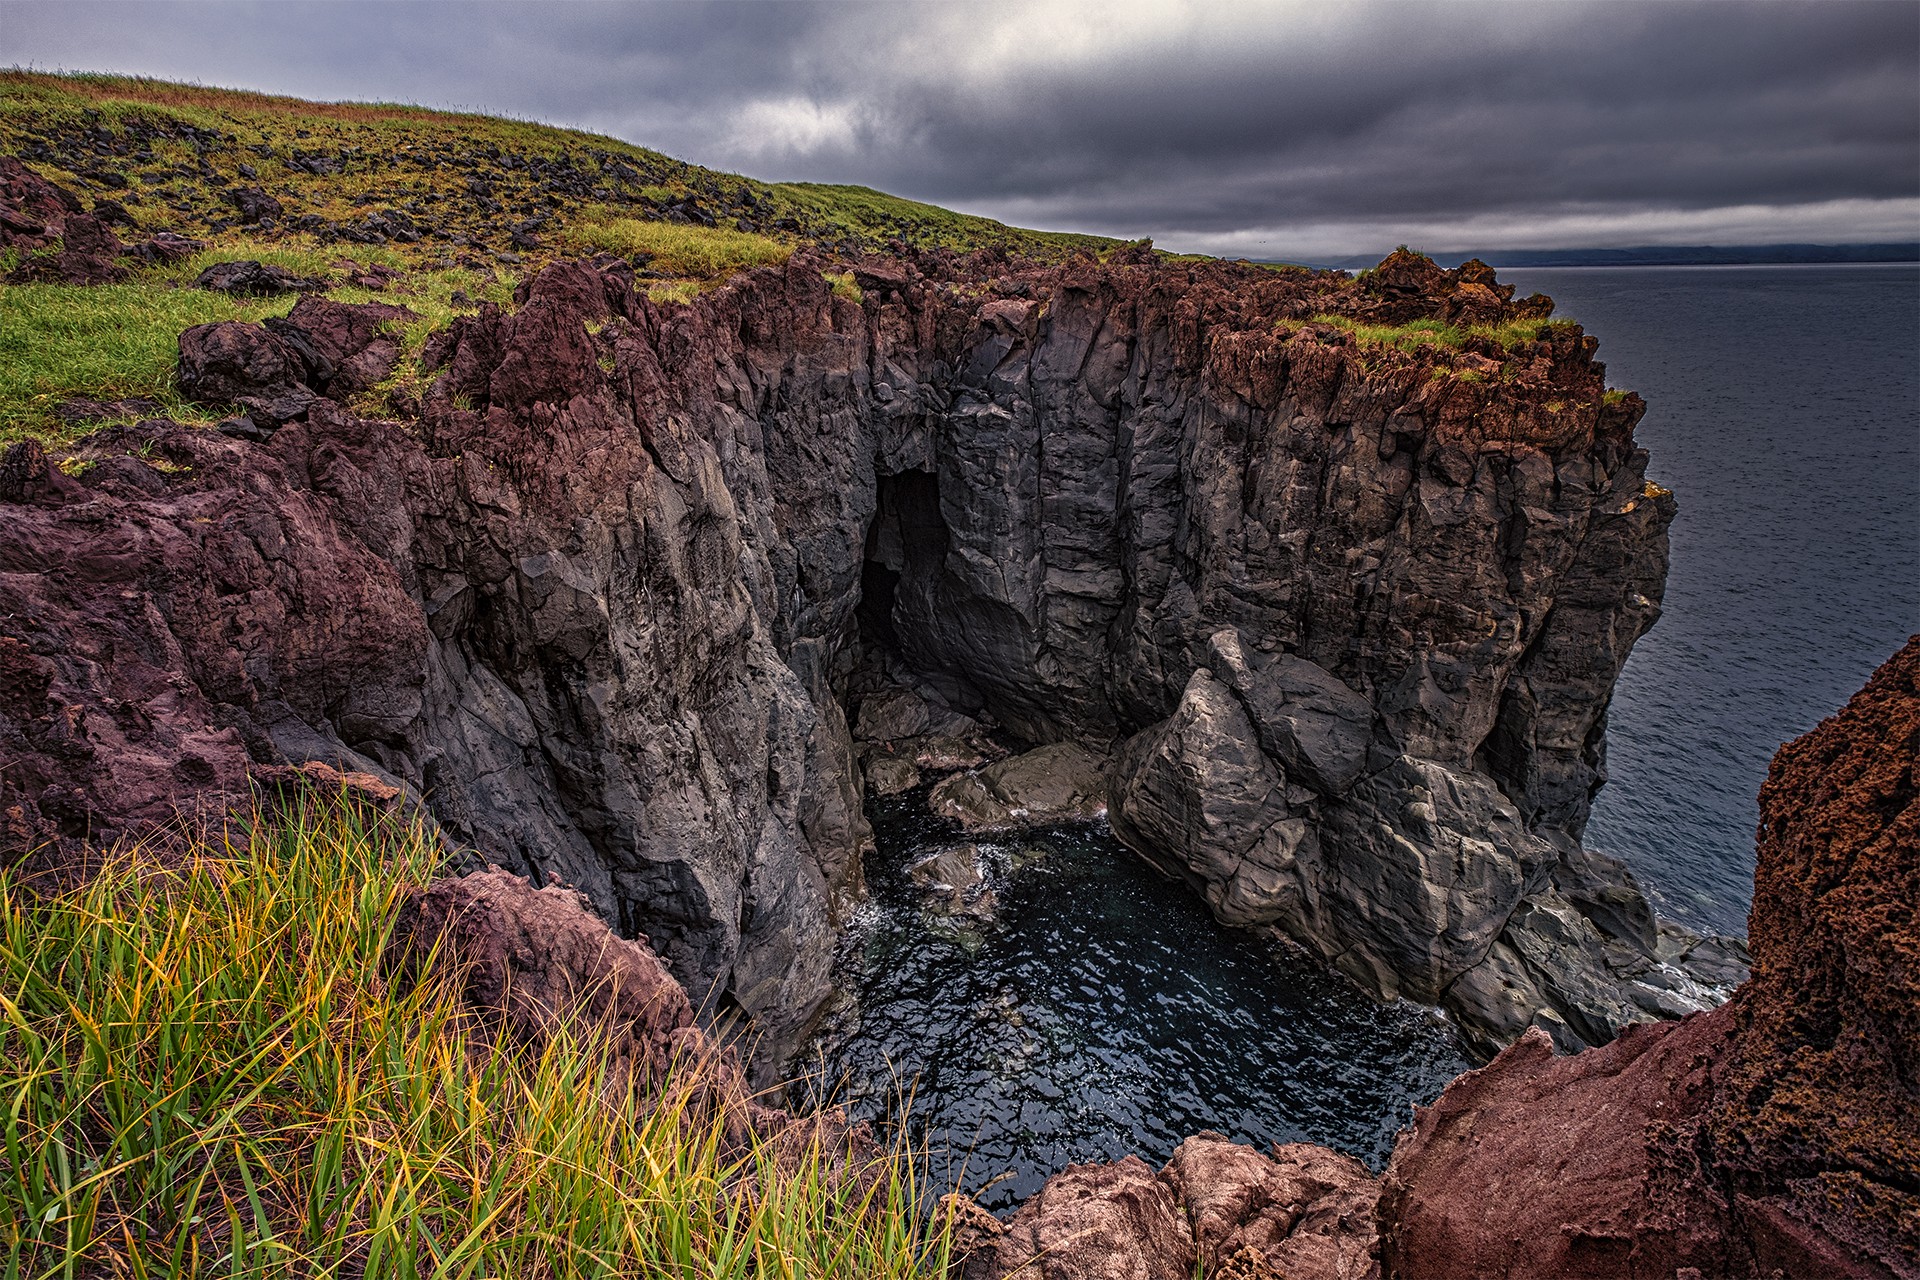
1350, 614
1772, 1136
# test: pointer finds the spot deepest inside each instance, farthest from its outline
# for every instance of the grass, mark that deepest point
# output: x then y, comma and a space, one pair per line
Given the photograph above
164, 140
107, 342
204, 1071
682, 250
1414, 334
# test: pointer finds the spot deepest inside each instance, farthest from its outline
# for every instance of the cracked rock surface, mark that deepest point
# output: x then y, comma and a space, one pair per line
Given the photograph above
599, 609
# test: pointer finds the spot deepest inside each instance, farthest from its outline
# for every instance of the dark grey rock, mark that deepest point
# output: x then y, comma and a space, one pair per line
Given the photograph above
1308, 720
254, 278
1063, 782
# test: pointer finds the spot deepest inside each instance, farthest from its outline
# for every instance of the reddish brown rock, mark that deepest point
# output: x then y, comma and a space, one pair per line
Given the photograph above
1092, 1222
1776, 1135
1305, 1213
534, 959
59, 242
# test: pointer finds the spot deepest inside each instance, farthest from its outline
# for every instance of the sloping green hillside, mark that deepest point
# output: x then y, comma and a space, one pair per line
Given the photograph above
430, 184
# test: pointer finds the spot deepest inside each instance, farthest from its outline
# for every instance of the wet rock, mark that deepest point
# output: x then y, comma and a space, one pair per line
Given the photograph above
888, 777
956, 881
254, 279
1058, 783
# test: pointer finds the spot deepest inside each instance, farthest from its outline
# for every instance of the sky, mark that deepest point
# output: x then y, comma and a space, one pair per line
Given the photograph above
1277, 129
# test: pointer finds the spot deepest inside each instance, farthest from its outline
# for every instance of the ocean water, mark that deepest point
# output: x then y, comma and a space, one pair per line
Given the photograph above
1784, 413
1100, 1011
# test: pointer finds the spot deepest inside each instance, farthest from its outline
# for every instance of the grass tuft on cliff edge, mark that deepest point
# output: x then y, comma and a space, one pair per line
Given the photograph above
204, 1071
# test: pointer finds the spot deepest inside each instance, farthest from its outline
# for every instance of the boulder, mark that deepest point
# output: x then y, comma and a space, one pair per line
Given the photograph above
254, 279
887, 776
1218, 1208
1198, 797
1090, 1222
955, 881
253, 204
221, 362
56, 241
1315, 727
533, 959
1052, 784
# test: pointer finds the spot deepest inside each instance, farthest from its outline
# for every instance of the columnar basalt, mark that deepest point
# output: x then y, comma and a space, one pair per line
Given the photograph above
1349, 614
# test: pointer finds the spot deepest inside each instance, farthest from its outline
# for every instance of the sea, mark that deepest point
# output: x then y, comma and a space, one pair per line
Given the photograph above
1102, 1011
1784, 413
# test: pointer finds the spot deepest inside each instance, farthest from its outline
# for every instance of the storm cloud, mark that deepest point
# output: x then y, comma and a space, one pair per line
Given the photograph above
1276, 130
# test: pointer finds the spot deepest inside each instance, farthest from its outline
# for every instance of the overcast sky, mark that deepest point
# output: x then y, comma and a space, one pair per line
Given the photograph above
1271, 129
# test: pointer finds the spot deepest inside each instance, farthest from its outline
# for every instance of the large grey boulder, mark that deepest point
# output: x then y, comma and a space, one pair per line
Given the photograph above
1196, 795
1063, 782
1307, 719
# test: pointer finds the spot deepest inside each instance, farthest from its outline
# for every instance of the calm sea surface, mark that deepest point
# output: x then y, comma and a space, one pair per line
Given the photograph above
1102, 1010
1784, 412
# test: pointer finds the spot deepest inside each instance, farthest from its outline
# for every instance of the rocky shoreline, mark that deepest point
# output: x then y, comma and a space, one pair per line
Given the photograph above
1344, 617
1318, 587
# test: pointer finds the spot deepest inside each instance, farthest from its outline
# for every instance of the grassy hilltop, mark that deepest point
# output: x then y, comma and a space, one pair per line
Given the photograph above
457, 207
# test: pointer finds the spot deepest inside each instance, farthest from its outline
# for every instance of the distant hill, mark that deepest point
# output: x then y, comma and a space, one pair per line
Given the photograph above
416, 181
1669, 256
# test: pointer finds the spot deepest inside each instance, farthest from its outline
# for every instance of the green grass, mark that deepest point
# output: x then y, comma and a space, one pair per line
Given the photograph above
1415, 334
203, 1071
107, 342
394, 156
682, 250
834, 211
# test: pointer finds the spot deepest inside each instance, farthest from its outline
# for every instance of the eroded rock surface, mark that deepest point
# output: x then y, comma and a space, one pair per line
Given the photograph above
1302, 1213
1774, 1136
600, 607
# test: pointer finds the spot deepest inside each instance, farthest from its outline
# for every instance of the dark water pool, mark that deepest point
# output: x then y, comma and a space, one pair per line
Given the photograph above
1100, 1011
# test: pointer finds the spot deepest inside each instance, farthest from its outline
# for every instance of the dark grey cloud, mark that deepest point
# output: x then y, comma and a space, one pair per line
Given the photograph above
1265, 128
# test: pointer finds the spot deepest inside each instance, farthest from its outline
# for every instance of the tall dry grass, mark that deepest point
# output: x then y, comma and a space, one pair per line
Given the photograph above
203, 1070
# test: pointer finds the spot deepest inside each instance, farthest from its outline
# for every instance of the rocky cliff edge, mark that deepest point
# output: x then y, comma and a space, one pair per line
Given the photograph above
1342, 571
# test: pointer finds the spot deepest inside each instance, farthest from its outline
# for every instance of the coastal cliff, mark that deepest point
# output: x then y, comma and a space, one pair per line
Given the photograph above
1772, 1136
1341, 571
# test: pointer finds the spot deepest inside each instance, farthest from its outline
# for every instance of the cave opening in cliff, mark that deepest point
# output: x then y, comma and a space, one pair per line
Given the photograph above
906, 550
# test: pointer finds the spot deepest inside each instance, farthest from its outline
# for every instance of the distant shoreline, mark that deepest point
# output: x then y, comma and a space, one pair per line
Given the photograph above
1804, 255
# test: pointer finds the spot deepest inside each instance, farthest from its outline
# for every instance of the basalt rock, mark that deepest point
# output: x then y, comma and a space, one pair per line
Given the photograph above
58, 242
1042, 787
601, 607
1773, 1136
254, 279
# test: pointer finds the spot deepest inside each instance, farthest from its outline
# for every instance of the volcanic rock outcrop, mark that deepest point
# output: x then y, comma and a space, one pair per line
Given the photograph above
1777, 1135
1352, 612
